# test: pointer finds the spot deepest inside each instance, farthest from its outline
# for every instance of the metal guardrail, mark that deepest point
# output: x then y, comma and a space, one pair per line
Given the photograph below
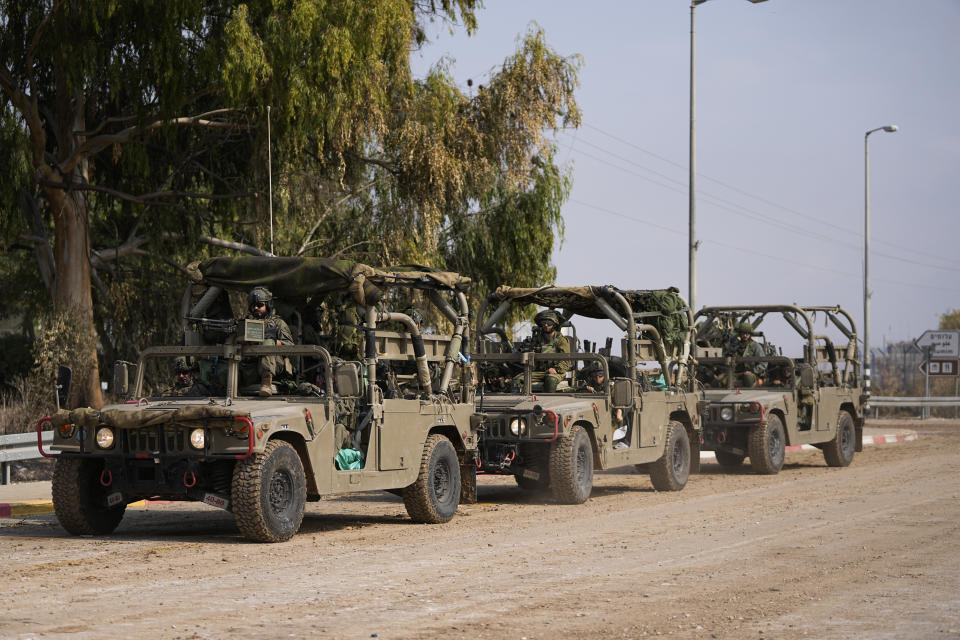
19, 446
913, 401
924, 404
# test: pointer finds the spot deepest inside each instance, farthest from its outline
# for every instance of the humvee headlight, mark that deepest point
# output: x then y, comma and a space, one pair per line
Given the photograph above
726, 413
518, 426
104, 437
197, 438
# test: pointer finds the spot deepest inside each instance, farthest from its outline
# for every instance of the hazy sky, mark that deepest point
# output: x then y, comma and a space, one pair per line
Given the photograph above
786, 90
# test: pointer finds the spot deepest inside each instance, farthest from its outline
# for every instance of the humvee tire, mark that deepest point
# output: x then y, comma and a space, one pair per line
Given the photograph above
766, 446
79, 500
728, 460
435, 496
671, 470
571, 467
839, 451
269, 493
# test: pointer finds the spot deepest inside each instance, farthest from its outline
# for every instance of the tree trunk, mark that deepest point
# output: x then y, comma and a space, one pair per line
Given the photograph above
72, 292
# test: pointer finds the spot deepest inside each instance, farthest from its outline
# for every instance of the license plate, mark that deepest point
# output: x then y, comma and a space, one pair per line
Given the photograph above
216, 501
114, 499
530, 474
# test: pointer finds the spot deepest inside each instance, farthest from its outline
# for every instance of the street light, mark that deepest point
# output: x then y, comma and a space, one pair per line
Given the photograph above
890, 128
694, 244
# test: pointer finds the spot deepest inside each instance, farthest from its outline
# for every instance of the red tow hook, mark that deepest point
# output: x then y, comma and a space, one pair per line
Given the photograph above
106, 478
722, 437
189, 479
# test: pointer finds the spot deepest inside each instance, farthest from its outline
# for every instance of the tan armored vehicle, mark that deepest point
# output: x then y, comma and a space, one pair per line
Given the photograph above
642, 412
756, 405
398, 417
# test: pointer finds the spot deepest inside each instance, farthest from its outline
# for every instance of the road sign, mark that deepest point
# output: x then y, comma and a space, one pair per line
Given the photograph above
942, 344
941, 367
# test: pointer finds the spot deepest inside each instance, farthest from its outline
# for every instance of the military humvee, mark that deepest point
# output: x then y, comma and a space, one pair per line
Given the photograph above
814, 399
333, 426
635, 417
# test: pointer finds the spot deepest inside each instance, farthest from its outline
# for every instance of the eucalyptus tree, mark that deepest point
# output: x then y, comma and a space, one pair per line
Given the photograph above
136, 135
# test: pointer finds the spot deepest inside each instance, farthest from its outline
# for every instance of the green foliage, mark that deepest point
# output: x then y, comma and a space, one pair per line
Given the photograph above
156, 112
950, 321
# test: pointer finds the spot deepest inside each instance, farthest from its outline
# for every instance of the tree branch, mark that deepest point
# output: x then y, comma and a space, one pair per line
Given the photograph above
147, 197
316, 225
98, 143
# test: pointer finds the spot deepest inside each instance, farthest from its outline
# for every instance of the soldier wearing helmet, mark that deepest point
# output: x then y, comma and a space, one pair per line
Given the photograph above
747, 374
188, 382
276, 331
549, 340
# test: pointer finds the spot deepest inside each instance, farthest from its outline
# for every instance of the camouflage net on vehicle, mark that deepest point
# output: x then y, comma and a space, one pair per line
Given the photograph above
662, 308
143, 416
299, 278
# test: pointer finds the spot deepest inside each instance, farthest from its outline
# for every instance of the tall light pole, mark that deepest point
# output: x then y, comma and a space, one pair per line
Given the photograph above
692, 198
890, 128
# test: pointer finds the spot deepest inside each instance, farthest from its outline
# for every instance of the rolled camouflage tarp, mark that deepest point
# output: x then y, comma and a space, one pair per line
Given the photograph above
299, 278
136, 416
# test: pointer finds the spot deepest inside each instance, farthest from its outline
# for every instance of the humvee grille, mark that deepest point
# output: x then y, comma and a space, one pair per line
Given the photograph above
157, 439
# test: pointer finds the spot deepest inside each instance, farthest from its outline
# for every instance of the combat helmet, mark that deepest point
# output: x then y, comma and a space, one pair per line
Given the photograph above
743, 327
547, 315
258, 295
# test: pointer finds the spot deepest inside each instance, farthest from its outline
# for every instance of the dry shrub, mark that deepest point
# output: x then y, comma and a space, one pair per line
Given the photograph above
23, 404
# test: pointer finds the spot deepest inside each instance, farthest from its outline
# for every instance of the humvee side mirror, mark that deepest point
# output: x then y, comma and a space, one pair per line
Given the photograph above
64, 376
121, 379
622, 392
346, 379
808, 378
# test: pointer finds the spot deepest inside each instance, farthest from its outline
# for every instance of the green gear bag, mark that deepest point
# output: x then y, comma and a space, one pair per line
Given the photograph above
349, 459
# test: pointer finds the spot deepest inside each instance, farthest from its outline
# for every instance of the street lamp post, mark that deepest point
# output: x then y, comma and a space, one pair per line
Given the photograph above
890, 128
692, 199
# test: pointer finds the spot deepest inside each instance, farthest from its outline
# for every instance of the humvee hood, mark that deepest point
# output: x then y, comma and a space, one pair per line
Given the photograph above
763, 396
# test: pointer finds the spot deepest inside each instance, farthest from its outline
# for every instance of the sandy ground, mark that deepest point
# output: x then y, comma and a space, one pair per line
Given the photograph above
869, 551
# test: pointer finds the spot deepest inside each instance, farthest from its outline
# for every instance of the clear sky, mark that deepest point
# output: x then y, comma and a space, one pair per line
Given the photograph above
786, 90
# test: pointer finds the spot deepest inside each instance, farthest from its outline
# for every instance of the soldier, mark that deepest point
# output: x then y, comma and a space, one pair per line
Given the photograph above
596, 381
548, 340
188, 384
745, 346
276, 331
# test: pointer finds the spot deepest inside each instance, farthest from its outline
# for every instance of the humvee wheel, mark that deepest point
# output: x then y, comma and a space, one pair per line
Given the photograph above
671, 471
728, 460
435, 496
79, 500
839, 451
269, 493
571, 467
766, 446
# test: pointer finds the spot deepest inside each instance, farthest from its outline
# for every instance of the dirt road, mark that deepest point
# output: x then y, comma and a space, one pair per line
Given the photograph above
864, 552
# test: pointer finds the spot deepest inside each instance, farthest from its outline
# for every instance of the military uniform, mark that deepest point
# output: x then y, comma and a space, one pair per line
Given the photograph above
275, 332
747, 374
557, 343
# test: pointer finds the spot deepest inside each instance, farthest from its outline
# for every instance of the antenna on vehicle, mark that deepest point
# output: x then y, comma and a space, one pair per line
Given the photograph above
269, 180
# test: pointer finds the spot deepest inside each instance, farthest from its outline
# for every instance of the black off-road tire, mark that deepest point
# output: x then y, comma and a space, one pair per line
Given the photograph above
571, 467
729, 460
766, 446
79, 500
839, 451
529, 484
671, 470
435, 496
269, 493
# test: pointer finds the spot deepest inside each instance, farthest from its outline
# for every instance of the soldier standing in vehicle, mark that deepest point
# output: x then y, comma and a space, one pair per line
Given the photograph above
549, 340
188, 384
276, 332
